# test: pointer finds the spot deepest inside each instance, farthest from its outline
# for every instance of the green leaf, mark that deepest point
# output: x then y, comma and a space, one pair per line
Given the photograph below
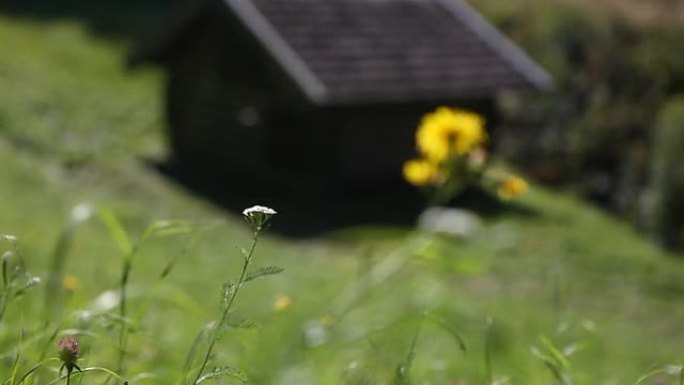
263, 271
242, 324
229, 324
224, 371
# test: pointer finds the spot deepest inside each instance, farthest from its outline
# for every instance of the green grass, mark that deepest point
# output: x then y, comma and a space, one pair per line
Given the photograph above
74, 127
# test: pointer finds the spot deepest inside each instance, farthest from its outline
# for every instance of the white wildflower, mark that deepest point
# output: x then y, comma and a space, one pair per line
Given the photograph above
81, 212
107, 301
257, 216
248, 212
315, 333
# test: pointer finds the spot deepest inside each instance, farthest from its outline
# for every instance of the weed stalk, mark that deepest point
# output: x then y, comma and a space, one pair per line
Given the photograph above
229, 304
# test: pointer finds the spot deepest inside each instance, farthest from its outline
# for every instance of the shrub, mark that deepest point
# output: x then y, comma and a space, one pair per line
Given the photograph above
667, 181
612, 76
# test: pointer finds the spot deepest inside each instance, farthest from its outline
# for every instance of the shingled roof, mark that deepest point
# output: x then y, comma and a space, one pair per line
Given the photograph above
361, 51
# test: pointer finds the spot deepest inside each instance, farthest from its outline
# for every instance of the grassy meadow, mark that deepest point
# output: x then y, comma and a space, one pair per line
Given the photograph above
553, 278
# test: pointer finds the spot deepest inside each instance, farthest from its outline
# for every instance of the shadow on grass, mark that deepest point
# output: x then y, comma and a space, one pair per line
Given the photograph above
309, 211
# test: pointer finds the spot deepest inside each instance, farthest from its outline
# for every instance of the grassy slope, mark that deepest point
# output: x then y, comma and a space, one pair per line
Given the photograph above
73, 126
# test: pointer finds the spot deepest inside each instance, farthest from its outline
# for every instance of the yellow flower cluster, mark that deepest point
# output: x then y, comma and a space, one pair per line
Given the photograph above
443, 135
448, 132
328, 320
281, 303
71, 283
450, 144
511, 187
421, 172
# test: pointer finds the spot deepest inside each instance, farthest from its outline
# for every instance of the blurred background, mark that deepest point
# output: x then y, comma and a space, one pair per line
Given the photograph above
605, 125
186, 109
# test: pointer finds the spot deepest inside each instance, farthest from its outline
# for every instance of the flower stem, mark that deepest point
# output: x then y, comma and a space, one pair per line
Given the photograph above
229, 305
122, 314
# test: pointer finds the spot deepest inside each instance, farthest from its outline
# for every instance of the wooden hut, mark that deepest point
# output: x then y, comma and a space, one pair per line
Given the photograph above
326, 90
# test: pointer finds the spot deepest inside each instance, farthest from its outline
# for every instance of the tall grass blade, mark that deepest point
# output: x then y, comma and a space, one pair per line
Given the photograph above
189, 244
489, 377
165, 228
163, 275
552, 365
116, 230
648, 375
33, 369
143, 377
83, 371
557, 355
26, 341
447, 327
5, 262
557, 373
402, 374
15, 367
59, 257
190, 357
30, 283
